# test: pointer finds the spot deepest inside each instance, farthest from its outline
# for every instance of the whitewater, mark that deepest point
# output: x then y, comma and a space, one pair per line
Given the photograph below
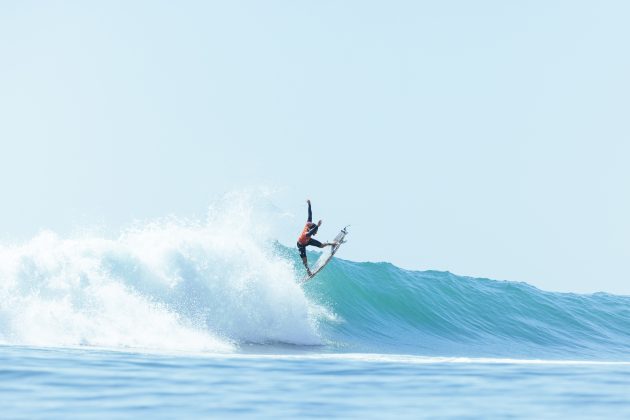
185, 305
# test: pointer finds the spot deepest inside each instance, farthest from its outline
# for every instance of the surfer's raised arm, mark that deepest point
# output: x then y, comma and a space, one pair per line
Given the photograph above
310, 213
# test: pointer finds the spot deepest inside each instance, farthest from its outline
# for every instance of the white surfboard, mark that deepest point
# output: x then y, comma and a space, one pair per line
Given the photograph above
327, 255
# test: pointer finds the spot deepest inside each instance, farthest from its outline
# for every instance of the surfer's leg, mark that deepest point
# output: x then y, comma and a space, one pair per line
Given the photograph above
315, 242
318, 244
308, 270
302, 250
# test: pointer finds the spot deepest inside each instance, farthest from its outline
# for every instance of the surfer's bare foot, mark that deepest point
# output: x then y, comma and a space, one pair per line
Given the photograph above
309, 272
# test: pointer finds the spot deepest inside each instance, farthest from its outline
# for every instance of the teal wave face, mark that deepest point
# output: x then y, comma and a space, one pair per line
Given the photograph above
380, 307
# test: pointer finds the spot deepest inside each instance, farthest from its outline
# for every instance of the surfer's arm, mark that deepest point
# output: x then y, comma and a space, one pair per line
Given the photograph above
312, 231
310, 213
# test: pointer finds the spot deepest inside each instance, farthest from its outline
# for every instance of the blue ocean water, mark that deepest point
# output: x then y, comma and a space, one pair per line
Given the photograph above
180, 319
93, 383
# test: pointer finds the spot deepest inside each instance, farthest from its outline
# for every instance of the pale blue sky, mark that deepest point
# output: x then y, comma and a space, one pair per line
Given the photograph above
484, 138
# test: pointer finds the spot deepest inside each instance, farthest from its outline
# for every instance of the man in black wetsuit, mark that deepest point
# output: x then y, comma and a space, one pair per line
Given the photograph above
306, 239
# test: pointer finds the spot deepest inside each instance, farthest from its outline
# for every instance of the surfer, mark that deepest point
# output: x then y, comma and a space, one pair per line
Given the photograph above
306, 238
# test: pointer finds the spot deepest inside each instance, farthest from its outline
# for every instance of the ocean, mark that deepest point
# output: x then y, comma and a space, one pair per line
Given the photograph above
177, 319
96, 383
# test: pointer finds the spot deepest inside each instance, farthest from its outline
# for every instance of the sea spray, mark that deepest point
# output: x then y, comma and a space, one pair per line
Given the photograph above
169, 284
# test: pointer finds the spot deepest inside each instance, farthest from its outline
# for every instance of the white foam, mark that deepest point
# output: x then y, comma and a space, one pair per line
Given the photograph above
170, 284
414, 359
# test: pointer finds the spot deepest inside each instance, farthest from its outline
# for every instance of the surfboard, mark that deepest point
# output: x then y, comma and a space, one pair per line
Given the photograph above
327, 255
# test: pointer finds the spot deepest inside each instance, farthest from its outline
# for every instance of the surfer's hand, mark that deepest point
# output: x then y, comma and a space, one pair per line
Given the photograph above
308, 201
319, 223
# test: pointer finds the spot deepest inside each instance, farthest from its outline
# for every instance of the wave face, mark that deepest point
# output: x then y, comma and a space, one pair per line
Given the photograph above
382, 308
222, 284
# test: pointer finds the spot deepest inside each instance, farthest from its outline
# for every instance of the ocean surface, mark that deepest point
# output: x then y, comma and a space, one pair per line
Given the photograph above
177, 319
